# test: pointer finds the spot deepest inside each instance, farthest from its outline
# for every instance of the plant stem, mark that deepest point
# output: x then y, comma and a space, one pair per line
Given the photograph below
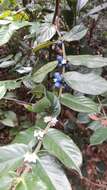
65, 58
57, 11
41, 141
104, 113
63, 68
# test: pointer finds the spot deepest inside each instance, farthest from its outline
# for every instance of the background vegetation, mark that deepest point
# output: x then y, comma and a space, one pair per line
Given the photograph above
53, 95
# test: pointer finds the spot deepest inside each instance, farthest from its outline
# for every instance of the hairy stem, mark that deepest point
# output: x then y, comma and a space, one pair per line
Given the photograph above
41, 141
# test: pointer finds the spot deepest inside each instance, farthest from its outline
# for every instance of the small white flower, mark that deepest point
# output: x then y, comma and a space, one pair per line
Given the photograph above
51, 120
30, 157
38, 134
47, 119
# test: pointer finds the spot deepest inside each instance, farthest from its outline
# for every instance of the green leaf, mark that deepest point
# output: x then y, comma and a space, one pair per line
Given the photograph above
51, 173
63, 147
2, 91
40, 106
31, 181
94, 125
77, 33
8, 3
40, 121
46, 32
4, 22
40, 75
24, 70
24, 137
11, 156
99, 136
16, 25
34, 28
38, 90
5, 182
90, 61
7, 58
86, 83
47, 174
10, 119
55, 104
10, 84
97, 9
79, 103
81, 4
7, 31
7, 64
26, 181
39, 46
5, 35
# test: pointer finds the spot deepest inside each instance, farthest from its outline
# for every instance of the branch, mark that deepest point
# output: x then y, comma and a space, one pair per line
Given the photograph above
57, 11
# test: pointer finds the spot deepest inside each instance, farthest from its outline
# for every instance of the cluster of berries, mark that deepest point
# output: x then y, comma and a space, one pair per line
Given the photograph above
57, 76
57, 79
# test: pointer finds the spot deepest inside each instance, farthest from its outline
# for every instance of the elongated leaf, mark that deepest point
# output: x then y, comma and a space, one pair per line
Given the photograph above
55, 104
47, 31
4, 22
7, 58
97, 9
27, 181
31, 181
61, 146
10, 84
16, 25
40, 75
86, 83
34, 28
77, 33
46, 44
24, 137
7, 31
10, 119
5, 35
94, 125
23, 70
81, 4
79, 103
90, 61
40, 106
52, 174
11, 157
47, 174
5, 182
7, 64
2, 91
99, 136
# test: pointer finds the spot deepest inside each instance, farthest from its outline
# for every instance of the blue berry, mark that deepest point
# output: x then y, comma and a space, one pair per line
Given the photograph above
57, 84
57, 76
59, 59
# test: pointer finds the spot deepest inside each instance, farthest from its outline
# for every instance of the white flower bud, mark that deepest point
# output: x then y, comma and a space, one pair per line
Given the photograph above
47, 119
51, 120
30, 157
38, 134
